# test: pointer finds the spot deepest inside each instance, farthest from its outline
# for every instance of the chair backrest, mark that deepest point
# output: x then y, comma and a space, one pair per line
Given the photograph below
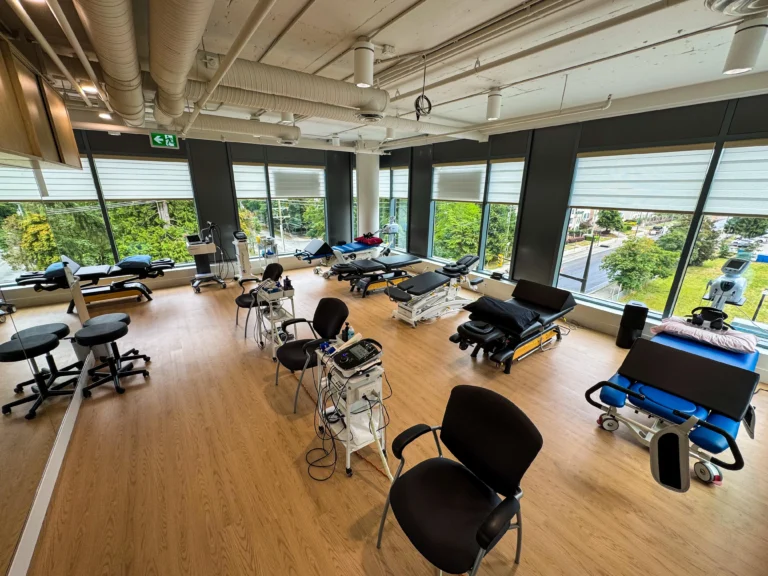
330, 315
272, 272
490, 436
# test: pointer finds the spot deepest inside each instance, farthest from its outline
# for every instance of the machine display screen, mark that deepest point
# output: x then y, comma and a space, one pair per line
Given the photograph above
192, 238
359, 352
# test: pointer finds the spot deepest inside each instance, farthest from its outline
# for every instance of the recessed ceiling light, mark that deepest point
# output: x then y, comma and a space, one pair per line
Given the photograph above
105, 115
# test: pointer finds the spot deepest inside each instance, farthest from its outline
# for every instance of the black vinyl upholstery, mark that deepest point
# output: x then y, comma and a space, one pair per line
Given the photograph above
330, 315
272, 272
101, 333
27, 347
542, 297
490, 436
292, 355
423, 283
106, 318
58, 329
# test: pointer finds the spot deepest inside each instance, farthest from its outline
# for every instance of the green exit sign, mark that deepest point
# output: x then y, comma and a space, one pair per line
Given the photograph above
160, 140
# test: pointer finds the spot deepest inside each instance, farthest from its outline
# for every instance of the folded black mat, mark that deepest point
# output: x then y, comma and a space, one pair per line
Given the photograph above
509, 315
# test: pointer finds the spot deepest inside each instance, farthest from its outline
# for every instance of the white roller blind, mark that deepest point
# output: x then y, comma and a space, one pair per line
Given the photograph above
63, 185
459, 183
250, 181
662, 181
740, 185
18, 184
295, 182
128, 179
400, 183
384, 191
506, 181
354, 183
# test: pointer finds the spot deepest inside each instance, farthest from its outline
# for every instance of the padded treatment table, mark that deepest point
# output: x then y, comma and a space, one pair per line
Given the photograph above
674, 379
367, 276
422, 284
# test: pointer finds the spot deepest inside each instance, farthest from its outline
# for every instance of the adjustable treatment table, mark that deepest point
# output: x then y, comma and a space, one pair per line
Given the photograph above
367, 276
673, 380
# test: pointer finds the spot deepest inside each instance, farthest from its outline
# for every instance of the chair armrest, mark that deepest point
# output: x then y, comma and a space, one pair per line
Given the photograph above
246, 280
497, 522
406, 437
312, 345
292, 321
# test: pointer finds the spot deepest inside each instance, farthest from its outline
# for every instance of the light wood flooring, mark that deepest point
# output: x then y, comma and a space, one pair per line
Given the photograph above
201, 469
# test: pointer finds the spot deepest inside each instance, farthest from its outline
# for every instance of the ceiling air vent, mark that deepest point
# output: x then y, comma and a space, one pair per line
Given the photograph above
369, 116
738, 7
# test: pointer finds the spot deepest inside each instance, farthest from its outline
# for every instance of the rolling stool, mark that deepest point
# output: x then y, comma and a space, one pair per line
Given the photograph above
132, 354
102, 334
28, 348
53, 373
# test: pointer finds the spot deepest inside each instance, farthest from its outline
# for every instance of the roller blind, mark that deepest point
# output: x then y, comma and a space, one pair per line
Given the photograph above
295, 182
464, 183
250, 181
129, 179
740, 185
18, 185
354, 183
400, 183
668, 181
506, 181
70, 185
384, 188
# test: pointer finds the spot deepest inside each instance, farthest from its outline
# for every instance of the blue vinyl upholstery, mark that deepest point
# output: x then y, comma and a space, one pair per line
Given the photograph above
135, 262
746, 361
352, 247
55, 270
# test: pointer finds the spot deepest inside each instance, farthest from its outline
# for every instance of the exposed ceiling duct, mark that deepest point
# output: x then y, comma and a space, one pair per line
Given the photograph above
283, 134
257, 100
176, 28
268, 79
109, 25
738, 7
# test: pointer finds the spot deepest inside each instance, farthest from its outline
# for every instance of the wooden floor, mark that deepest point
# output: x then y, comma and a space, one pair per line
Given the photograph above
201, 470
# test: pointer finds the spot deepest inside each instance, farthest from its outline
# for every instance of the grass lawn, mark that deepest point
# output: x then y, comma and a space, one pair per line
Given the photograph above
655, 293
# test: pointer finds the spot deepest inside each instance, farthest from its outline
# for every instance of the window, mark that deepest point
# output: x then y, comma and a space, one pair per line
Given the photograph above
252, 201
150, 206
735, 225
400, 205
457, 192
506, 181
298, 205
630, 215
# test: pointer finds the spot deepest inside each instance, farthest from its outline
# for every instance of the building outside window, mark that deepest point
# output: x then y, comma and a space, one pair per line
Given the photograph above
400, 205
735, 225
457, 194
252, 202
630, 215
504, 186
150, 206
298, 205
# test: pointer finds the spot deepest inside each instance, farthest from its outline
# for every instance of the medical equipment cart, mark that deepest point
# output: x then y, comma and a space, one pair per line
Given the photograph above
349, 396
270, 315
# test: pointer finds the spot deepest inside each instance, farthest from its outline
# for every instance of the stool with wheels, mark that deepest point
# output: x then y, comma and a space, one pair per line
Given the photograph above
27, 348
52, 373
107, 334
132, 354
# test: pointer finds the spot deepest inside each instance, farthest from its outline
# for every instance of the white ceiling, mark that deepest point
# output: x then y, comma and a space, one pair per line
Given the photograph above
329, 27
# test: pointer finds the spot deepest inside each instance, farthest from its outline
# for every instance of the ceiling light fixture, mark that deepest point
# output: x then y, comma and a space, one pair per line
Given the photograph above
745, 47
105, 116
286, 118
390, 134
335, 140
493, 111
89, 88
363, 62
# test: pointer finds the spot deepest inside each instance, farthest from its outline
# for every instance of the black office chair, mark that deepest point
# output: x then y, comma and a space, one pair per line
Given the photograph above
451, 511
248, 299
330, 315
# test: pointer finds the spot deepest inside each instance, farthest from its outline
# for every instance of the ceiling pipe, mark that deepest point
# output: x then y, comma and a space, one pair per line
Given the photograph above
577, 35
61, 18
256, 101
109, 26
257, 77
504, 125
254, 20
523, 15
35, 31
176, 28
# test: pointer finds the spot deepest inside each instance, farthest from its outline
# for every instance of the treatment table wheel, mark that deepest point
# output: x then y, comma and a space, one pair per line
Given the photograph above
326, 275
608, 423
317, 270
197, 290
708, 472
349, 472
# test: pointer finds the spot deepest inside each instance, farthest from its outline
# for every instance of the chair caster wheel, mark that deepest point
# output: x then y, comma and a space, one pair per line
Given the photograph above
6, 410
30, 415
197, 290
86, 393
349, 472
147, 359
120, 390
608, 423
138, 299
18, 390
320, 429
223, 286
145, 374
708, 472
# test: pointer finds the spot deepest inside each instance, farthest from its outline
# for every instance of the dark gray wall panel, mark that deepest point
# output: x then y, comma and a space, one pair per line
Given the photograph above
211, 173
284, 155
419, 206
131, 145
460, 151
510, 145
240, 152
543, 220
338, 202
674, 125
400, 157
751, 116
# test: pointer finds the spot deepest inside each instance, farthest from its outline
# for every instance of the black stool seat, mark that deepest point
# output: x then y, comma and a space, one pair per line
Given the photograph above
107, 318
58, 329
101, 333
247, 300
27, 347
